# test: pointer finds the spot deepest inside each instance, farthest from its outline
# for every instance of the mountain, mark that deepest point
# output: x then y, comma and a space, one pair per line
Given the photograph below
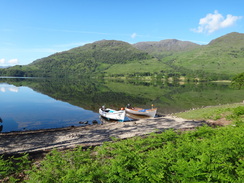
105, 51
166, 47
90, 59
222, 58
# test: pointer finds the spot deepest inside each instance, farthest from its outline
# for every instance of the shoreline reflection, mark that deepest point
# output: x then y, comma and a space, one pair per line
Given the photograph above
9, 88
63, 102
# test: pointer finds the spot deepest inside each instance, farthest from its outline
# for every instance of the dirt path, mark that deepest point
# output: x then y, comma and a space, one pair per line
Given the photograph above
43, 140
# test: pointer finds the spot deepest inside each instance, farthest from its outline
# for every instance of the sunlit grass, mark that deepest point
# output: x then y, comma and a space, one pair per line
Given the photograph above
212, 112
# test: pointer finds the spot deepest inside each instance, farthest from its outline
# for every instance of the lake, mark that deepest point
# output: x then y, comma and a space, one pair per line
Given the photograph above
35, 103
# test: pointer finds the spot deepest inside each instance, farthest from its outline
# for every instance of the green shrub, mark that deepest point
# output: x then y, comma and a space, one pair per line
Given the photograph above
239, 111
12, 166
202, 155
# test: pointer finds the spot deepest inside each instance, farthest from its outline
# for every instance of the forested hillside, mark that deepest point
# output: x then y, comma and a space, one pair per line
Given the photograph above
222, 58
90, 59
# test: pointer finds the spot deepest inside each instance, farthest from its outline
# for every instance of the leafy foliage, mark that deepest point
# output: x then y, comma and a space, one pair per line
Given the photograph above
238, 81
13, 166
203, 155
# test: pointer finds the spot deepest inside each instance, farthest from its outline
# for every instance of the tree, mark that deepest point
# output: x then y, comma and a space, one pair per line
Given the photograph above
238, 81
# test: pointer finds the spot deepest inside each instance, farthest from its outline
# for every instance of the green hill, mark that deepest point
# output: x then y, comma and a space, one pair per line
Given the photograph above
221, 58
92, 58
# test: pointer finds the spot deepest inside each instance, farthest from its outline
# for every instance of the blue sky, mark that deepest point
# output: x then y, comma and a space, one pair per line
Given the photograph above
33, 29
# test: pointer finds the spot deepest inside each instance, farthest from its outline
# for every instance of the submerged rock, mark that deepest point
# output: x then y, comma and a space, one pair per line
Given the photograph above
94, 122
83, 122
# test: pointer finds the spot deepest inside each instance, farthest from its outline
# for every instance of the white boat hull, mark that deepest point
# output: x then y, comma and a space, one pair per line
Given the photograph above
113, 114
140, 111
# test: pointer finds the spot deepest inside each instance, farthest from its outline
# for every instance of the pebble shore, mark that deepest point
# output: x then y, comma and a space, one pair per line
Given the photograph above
45, 140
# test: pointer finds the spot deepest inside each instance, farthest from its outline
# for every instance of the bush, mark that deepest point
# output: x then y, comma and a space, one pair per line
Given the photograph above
203, 155
13, 166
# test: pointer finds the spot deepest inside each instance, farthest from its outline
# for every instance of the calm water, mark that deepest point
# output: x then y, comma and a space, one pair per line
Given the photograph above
30, 104
24, 109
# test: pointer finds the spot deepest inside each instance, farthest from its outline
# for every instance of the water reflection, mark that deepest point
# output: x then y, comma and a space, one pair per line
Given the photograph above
31, 110
5, 88
91, 94
1, 126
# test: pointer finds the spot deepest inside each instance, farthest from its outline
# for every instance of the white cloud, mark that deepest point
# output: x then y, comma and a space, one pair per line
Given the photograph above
2, 61
133, 35
13, 61
214, 22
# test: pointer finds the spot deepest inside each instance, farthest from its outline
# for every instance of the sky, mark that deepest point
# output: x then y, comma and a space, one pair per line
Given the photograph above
33, 29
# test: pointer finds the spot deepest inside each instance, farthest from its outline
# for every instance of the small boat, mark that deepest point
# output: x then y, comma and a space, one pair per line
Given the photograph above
136, 117
140, 111
112, 114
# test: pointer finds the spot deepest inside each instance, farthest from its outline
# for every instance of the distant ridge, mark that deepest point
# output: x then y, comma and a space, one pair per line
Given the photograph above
166, 47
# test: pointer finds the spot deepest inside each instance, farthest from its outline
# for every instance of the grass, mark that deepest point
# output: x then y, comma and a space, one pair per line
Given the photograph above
213, 112
212, 59
142, 66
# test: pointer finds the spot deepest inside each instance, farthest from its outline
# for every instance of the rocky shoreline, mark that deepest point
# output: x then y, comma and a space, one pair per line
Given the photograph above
45, 140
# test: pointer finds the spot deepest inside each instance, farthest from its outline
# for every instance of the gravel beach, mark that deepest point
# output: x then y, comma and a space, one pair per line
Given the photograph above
45, 140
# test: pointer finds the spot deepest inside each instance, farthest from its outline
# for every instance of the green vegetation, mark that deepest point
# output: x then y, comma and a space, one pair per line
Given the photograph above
238, 81
228, 111
221, 59
205, 154
139, 68
223, 56
14, 167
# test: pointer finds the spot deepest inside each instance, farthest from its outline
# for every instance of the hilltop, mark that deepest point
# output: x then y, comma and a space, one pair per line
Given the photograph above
166, 47
232, 39
222, 58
